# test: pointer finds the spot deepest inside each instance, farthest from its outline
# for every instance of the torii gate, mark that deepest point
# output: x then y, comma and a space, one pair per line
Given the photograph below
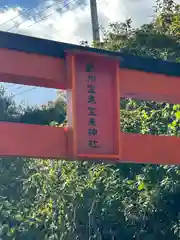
95, 81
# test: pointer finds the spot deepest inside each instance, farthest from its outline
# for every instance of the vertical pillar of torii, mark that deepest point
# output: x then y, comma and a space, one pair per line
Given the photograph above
93, 106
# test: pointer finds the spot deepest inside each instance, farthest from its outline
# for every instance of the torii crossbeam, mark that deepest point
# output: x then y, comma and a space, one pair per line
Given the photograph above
95, 81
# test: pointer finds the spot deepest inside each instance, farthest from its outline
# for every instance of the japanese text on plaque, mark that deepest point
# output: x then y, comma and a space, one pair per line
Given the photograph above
92, 112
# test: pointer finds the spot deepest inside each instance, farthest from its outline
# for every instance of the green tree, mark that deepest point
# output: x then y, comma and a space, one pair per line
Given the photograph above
8, 109
158, 39
81, 200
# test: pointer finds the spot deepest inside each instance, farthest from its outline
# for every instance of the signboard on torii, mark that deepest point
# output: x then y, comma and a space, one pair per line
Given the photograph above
95, 81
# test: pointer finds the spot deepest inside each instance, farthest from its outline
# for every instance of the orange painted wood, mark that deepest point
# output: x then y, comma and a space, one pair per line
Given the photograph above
45, 71
31, 69
99, 90
149, 86
150, 149
25, 140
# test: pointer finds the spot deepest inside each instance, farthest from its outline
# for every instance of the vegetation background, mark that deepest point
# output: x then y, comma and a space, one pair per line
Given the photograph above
49, 200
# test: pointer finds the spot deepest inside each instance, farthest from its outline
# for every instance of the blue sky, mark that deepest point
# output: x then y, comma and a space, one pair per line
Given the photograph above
27, 94
66, 24
30, 95
22, 3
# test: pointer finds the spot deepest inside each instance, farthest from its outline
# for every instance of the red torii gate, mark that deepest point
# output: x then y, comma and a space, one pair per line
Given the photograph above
95, 81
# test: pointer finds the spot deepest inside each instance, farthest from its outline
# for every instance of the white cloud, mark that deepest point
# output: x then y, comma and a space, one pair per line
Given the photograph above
75, 25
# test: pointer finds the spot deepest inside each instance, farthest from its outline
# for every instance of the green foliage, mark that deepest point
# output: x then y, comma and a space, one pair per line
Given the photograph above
158, 39
8, 109
42, 115
48, 199
45, 114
